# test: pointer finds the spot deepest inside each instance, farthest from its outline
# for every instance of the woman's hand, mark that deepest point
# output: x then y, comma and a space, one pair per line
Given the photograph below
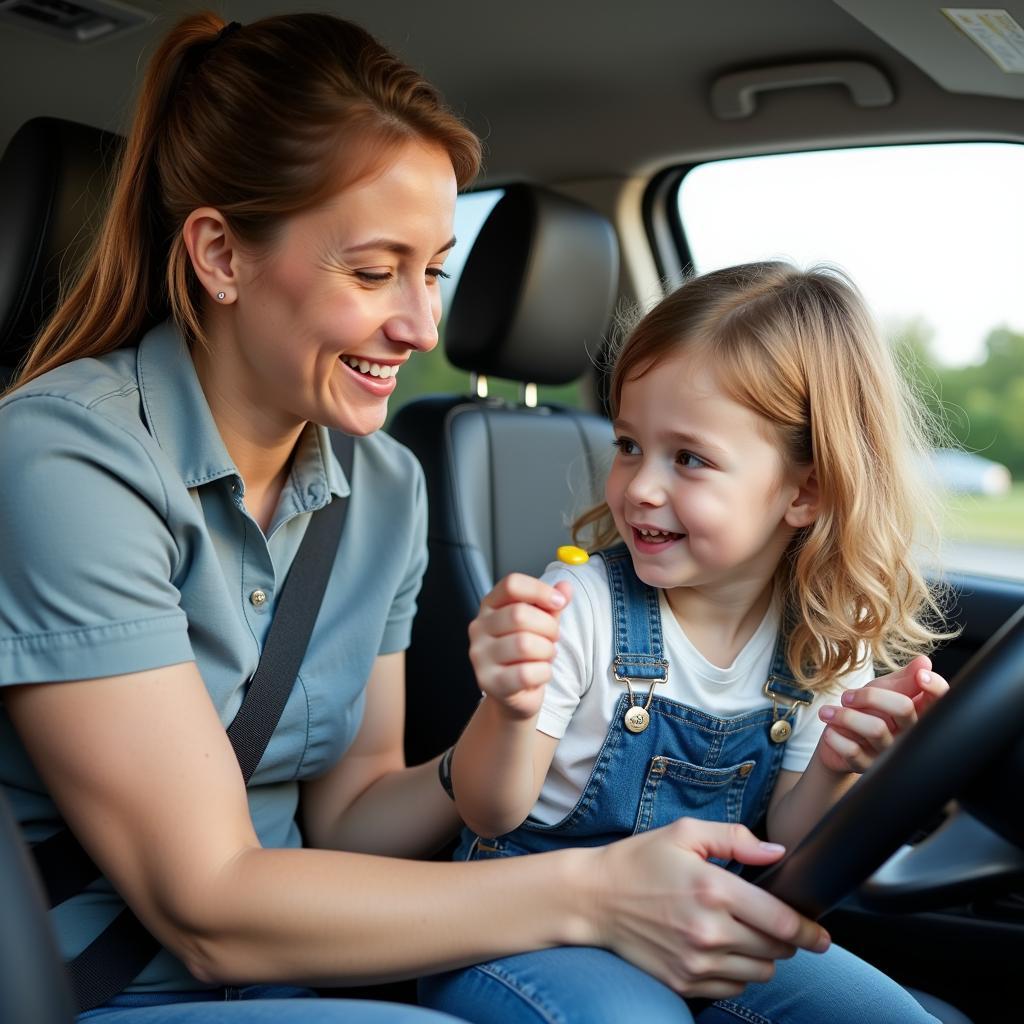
699, 928
512, 642
869, 719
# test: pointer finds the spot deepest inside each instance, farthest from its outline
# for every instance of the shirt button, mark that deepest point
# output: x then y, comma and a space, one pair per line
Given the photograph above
258, 598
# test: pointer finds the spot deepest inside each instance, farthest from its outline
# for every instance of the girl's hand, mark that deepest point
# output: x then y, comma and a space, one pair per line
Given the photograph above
512, 641
870, 718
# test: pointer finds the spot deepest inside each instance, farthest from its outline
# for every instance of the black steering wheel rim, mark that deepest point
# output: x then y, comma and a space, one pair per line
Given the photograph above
973, 726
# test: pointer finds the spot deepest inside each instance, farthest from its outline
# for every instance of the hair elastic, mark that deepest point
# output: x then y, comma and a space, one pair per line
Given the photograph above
228, 30
205, 48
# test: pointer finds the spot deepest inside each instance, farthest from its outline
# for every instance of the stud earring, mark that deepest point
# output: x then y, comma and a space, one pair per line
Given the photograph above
222, 296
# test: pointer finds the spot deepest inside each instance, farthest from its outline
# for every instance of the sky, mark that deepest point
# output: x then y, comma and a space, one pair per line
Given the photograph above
933, 231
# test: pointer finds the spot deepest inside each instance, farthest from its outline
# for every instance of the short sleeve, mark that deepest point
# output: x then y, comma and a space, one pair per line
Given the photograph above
572, 669
87, 557
800, 746
398, 628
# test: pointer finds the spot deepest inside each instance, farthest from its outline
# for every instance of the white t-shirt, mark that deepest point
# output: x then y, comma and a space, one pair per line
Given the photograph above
582, 694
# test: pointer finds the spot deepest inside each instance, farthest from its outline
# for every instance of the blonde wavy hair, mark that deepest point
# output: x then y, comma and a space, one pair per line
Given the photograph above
800, 349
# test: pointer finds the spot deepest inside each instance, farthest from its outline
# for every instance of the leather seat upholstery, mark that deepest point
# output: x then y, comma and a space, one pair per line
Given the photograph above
504, 481
53, 180
53, 177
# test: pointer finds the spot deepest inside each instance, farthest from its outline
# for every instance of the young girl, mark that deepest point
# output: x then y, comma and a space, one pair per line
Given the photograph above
715, 660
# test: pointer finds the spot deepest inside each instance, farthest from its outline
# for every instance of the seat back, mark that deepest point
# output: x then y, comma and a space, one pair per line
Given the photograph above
505, 480
53, 176
53, 182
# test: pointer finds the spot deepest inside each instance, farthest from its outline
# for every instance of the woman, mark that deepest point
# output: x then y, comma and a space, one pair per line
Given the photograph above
268, 262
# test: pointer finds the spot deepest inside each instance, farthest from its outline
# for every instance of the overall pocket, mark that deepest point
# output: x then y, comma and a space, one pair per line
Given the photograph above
677, 789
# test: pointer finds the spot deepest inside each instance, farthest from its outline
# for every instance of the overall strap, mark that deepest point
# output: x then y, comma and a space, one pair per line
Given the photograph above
786, 696
781, 682
638, 651
116, 956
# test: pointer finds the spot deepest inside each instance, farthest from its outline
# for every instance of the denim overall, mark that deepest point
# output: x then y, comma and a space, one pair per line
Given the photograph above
686, 762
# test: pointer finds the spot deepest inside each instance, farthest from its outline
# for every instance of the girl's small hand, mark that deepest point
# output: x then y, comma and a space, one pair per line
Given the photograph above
512, 641
870, 718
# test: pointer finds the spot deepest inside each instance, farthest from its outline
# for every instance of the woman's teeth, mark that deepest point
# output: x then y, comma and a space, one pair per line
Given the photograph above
373, 369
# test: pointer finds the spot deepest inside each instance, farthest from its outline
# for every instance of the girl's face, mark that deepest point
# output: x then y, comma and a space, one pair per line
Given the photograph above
348, 292
698, 491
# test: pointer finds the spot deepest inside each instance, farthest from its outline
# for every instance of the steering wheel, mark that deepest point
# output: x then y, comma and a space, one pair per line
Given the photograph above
970, 745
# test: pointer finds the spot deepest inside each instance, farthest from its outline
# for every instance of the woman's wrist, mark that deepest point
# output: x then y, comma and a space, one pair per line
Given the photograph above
581, 882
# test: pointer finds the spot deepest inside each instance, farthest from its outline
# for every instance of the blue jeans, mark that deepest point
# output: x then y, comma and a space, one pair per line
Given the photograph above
580, 985
255, 1004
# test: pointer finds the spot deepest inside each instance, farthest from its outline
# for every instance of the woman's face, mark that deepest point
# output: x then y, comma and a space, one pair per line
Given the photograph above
325, 320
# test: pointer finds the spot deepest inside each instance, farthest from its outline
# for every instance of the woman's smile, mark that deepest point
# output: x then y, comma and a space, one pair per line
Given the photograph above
380, 378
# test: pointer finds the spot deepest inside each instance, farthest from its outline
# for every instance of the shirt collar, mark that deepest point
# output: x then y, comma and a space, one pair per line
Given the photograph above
179, 418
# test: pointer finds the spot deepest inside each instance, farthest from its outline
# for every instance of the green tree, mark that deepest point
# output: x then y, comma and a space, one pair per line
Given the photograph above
978, 407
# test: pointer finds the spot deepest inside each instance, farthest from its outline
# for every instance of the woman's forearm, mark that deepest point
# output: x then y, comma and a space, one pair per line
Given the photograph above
320, 916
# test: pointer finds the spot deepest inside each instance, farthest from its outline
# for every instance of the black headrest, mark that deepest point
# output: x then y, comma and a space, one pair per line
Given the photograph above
537, 291
53, 181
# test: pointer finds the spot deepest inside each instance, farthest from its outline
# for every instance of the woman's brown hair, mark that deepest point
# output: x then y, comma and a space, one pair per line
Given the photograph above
800, 349
260, 122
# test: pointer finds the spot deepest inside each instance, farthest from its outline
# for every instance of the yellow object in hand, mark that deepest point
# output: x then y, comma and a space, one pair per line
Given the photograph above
572, 555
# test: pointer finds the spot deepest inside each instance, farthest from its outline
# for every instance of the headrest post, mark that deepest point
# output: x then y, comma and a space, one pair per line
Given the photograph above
478, 385
528, 395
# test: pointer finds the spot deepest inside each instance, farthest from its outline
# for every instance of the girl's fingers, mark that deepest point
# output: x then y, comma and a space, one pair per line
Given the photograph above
517, 648
520, 618
904, 680
518, 587
850, 750
932, 687
870, 731
895, 708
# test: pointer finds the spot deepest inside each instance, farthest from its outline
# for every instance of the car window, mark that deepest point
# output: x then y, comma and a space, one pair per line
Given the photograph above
930, 234
434, 374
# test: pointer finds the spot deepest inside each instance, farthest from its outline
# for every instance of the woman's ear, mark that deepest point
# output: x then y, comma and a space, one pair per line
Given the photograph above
804, 507
208, 240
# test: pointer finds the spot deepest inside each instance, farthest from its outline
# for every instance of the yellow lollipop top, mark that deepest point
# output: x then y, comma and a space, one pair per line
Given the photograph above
572, 555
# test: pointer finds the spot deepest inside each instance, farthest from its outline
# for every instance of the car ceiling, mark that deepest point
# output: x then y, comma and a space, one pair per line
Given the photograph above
568, 90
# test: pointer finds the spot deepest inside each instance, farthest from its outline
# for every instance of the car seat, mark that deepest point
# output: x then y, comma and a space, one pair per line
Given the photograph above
53, 180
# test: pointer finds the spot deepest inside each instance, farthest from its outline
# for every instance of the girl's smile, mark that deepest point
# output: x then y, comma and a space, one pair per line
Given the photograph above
653, 541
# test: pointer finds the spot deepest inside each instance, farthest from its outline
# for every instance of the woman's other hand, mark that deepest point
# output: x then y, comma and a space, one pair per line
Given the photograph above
699, 928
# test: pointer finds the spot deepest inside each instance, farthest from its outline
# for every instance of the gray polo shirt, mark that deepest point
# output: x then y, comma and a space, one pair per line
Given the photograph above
125, 545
